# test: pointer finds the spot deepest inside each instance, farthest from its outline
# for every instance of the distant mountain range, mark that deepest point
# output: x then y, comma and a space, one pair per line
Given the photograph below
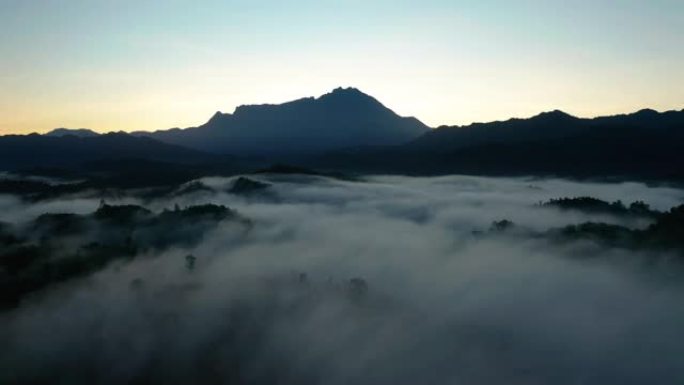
646, 144
348, 130
54, 151
79, 132
548, 126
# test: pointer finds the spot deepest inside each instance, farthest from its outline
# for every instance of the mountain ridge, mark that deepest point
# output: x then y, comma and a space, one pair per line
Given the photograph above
345, 117
641, 145
554, 124
34, 150
80, 132
350, 131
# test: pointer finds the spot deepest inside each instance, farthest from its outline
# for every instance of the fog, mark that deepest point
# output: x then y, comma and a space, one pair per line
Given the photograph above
383, 280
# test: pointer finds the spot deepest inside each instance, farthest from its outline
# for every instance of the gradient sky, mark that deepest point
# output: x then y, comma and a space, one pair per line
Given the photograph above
137, 64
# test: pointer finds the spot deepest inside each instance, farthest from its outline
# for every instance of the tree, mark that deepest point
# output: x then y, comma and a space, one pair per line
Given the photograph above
190, 262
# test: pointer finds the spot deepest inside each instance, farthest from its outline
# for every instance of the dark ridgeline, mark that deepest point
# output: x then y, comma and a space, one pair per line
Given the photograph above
556, 125
644, 145
27, 151
346, 117
80, 132
349, 131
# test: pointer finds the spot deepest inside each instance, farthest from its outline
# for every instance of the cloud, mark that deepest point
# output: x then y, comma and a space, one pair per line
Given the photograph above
442, 306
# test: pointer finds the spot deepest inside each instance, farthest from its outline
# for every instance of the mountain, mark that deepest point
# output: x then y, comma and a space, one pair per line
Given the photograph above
547, 125
25, 151
346, 117
80, 132
646, 145
348, 131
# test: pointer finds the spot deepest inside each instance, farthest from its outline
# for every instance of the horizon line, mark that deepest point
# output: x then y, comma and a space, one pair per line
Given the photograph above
349, 88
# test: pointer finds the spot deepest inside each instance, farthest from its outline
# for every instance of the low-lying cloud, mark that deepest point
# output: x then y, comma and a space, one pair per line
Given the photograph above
380, 281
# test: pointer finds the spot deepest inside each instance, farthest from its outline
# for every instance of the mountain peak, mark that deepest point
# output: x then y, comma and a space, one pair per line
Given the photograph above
217, 116
351, 99
347, 92
646, 112
79, 132
555, 112
342, 118
554, 115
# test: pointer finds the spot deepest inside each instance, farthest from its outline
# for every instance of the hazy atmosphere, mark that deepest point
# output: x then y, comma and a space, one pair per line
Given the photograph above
383, 281
147, 65
341, 192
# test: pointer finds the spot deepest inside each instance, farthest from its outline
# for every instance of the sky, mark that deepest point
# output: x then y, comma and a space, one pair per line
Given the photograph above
113, 65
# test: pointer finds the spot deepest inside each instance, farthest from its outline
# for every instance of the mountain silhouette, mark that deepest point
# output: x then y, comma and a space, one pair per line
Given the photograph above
646, 145
553, 125
351, 132
346, 117
24, 151
547, 125
80, 132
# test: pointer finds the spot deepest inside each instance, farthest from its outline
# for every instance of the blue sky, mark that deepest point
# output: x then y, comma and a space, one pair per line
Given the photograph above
129, 65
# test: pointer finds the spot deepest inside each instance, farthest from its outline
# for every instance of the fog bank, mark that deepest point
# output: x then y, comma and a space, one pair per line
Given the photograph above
378, 281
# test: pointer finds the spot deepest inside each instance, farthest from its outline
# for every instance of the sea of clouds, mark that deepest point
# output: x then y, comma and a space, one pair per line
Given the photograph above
385, 280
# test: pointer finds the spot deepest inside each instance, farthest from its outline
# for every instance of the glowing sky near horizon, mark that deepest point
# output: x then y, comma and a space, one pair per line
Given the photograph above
144, 65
